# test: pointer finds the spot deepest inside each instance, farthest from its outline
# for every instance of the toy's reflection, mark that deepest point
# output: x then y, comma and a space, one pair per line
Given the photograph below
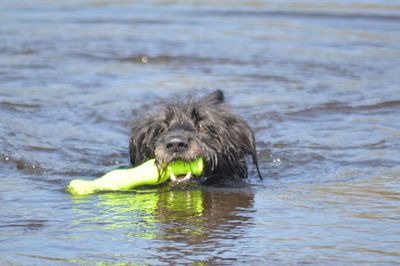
188, 216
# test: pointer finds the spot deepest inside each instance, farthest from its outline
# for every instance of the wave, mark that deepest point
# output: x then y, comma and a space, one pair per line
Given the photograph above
356, 15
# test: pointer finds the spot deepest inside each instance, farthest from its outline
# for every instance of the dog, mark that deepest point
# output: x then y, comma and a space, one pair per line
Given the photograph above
186, 130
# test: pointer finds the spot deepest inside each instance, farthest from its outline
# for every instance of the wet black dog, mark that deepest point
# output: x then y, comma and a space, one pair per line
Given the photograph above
199, 127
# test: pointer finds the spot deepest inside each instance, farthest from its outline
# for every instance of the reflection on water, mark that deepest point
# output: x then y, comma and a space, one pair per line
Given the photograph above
197, 208
127, 211
187, 218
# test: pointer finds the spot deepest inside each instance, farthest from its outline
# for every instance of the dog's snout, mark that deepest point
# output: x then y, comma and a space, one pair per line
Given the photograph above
177, 144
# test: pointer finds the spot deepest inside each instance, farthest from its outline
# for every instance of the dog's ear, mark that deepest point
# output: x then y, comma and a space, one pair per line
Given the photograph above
141, 142
246, 140
215, 98
253, 153
135, 151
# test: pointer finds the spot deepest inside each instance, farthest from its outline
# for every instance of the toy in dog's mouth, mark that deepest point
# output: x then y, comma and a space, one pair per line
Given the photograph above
147, 173
181, 178
186, 174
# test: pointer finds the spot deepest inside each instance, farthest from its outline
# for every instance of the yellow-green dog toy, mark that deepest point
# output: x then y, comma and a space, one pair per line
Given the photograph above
148, 173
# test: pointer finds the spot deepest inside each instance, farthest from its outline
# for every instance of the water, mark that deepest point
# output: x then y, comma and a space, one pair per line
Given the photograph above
318, 82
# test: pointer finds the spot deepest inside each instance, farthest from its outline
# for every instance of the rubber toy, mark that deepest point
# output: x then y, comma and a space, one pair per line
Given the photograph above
146, 173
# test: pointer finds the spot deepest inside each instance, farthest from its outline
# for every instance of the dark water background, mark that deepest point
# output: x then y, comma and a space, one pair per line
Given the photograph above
319, 81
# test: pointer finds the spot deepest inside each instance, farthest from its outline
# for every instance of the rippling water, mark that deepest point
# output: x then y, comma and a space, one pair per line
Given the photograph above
318, 82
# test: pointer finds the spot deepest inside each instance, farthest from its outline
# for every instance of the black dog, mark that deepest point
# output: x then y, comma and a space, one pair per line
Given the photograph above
187, 130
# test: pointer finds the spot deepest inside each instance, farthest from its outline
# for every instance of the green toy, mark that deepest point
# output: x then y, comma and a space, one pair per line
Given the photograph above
145, 174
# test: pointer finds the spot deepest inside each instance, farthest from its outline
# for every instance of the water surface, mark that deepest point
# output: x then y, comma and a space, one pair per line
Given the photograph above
318, 82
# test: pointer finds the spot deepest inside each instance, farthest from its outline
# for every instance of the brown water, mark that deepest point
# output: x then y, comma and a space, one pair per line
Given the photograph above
318, 81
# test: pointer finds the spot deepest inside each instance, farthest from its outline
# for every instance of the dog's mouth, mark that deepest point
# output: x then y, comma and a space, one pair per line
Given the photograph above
179, 148
181, 178
185, 177
184, 171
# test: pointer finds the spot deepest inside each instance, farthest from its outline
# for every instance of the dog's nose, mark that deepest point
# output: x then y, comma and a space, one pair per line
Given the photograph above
177, 144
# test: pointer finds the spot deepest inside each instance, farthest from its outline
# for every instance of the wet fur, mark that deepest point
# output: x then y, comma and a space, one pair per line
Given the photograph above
212, 130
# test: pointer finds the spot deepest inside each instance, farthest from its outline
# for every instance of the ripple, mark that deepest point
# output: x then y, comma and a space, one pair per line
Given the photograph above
343, 108
301, 14
13, 106
22, 164
28, 225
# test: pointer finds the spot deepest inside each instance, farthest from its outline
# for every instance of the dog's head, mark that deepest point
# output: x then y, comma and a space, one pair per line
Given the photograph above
198, 127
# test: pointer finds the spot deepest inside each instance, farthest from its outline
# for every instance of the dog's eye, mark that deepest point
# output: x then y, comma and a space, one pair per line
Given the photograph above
201, 128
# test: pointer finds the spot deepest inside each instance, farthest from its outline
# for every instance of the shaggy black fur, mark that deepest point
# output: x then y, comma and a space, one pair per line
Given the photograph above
199, 127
